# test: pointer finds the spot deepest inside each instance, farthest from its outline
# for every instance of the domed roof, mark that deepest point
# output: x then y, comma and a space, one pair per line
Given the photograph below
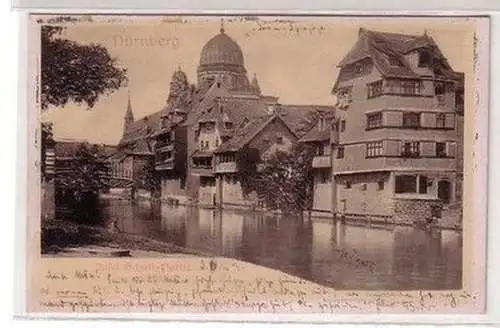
221, 49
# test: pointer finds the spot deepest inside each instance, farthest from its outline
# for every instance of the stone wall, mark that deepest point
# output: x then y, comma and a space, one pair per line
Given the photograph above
411, 210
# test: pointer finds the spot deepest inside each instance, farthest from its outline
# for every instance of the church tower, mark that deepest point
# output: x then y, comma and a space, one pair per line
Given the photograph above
129, 116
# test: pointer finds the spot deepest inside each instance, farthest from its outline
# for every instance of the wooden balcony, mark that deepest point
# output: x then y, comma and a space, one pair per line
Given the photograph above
165, 148
167, 164
203, 170
322, 161
227, 167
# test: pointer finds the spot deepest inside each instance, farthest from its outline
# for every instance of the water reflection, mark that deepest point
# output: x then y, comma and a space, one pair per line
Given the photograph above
339, 255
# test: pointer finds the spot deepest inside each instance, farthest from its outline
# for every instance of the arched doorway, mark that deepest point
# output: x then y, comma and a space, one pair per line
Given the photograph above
444, 191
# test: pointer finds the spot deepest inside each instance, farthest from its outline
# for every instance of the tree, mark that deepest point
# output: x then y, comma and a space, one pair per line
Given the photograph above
73, 71
87, 172
286, 179
148, 178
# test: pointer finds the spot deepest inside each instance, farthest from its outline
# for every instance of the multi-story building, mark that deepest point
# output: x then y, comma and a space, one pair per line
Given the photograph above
321, 138
203, 125
399, 112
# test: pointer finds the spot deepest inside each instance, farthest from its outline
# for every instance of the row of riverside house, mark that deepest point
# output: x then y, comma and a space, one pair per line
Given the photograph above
391, 148
197, 140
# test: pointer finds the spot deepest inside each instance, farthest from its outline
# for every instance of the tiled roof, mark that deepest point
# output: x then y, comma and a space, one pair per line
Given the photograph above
245, 134
380, 46
320, 133
205, 101
141, 147
142, 128
301, 118
118, 156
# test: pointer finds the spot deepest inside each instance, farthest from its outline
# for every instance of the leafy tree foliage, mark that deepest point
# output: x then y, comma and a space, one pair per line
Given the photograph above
78, 186
73, 71
86, 173
148, 178
282, 181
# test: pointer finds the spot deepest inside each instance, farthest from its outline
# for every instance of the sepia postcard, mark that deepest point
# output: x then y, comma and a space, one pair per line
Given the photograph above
256, 164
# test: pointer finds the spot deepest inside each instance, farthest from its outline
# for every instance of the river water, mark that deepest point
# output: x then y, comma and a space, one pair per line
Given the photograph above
334, 254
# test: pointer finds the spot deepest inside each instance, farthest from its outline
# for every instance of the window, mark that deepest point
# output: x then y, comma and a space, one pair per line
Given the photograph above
440, 149
439, 88
342, 125
244, 122
340, 152
440, 120
374, 149
347, 185
320, 150
380, 185
321, 123
216, 142
394, 61
374, 120
358, 68
406, 184
424, 59
404, 87
279, 140
323, 176
411, 120
411, 149
344, 97
459, 102
375, 89
183, 182
422, 185
363, 187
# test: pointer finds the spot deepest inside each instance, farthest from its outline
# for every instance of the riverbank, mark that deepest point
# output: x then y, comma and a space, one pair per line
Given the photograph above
66, 238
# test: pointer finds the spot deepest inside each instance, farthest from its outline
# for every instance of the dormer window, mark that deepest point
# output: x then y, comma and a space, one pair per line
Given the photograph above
321, 123
244, 122
424, 59
394, 61
358, 68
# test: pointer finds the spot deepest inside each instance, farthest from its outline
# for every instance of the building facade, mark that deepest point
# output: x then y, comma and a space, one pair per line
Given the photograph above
321, 138
399, 120
192, 139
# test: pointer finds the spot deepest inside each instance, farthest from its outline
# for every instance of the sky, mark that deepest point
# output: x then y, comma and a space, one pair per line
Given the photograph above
295, 60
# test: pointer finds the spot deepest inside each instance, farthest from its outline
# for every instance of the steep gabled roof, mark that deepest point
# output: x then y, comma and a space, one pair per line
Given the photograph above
382, 48
142, 128
320, 133
301, 118
141, 147
205, 101
244, 135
